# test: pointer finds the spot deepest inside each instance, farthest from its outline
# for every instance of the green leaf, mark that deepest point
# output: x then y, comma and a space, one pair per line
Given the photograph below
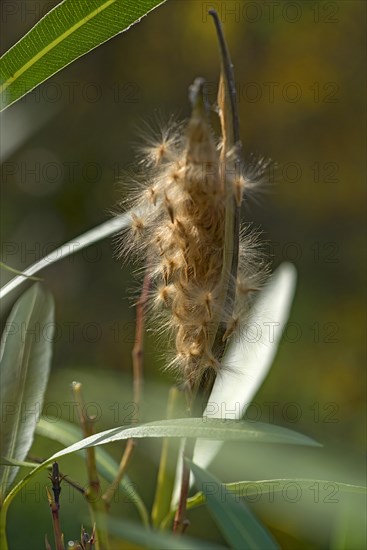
156, 540
224, 430
92, 236
238, 525
21, 463
25, 359
349, 529
17, 272
254, 488
67, 434
67, 32
255, 432
182, 427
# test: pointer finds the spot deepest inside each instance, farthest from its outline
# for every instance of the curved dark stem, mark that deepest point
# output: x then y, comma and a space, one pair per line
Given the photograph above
229, 75
219, 345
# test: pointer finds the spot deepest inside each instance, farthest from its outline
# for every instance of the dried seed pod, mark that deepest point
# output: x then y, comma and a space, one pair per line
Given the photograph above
186, 223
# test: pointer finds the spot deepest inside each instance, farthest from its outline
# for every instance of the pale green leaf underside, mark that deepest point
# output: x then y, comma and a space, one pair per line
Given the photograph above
182, 427
197, 427
67, 32
25, 358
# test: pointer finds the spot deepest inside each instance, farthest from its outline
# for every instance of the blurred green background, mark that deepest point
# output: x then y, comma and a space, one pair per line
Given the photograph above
300, 73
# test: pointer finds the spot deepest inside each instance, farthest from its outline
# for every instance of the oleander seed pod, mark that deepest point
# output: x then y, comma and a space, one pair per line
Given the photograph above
185, 224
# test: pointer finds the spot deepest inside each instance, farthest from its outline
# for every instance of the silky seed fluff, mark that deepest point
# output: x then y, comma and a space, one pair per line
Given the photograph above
178, 229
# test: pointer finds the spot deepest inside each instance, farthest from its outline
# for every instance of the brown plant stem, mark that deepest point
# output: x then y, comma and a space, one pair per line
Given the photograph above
96, 504
181, 523
137, 360
57, 529
63, 477
86, 424
138, 349
54, 507
125, 461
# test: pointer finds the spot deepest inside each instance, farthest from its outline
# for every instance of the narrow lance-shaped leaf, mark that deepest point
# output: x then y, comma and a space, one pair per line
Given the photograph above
88, 238
264, 486
68, 31
238, 525
182, 427
25, 358
257, 432
17, 272
21, 463
248, 489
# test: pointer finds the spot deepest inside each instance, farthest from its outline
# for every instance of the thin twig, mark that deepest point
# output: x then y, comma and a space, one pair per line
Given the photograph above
137, 359
125, 461
181, 523
96, 504
54, 507
63, 477
167, 464
138, 349
86, 424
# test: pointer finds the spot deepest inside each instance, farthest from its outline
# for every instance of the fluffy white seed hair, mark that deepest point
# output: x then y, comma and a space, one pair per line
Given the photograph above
177, 227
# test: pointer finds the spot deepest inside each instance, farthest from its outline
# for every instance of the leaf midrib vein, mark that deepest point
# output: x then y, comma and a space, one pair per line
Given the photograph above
53, 44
